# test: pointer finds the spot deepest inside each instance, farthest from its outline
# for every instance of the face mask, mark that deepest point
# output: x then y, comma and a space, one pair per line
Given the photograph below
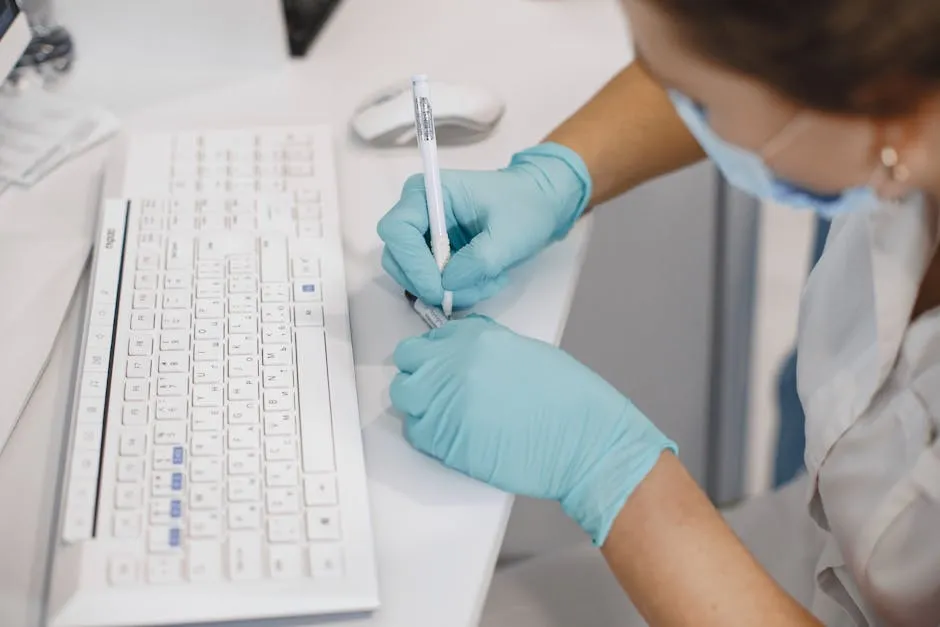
747, 170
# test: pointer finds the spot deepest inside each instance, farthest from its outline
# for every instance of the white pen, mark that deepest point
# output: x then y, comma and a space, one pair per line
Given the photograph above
424, 128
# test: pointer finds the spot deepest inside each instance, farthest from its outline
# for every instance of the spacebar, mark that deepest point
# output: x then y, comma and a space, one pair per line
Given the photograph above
313, 390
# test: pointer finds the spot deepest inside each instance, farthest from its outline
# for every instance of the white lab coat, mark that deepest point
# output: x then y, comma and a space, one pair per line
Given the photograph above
856, 539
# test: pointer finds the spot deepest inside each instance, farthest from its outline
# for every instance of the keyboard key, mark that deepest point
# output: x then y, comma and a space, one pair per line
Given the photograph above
275, 292
209, 309
308, 315
85, 464
242, 304
278, 423
243, 366
205, 470
280, 474
210, 288
275, 334
207, 372
316, 420
126, 525
146, 280
174, 341
320, 489
207, 395
205, 496
174, 320
244, 516
174, 363
142, 321
205, 524
165, 456
130, 469
245, 462
244, 555
88, 437
164, 569
208, 329
278, 400
323, 523
140, 345
276, 355
90, 411
137, 367
278, 377
283, 500
165, 483
207, 350
243, 389
177, 299
172, 385
145, 300
133, 443
244, 436
135, 414
307, 290
128, 496
242, 323
243, 284
177, 281
275, 312
283, 529
309, 228
305, 266
206, 444
207, 418
273, 258
179, 253
284, 562
326, 561
170, 408
247, 488
210, 270
122, 570
242, 344
94, 384
243, 412
211, 247
169, 433
204, 561
280, 448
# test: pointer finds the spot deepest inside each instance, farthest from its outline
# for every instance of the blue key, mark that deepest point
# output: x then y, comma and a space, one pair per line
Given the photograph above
174, 537
309, 287
176, 508
177, 455
177, 483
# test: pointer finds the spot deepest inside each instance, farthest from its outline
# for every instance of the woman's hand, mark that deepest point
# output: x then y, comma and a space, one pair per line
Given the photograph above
525, 417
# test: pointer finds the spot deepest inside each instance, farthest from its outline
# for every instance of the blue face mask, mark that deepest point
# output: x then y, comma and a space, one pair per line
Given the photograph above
747, 170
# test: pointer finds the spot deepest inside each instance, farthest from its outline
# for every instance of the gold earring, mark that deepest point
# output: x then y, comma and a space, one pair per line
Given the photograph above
891, 161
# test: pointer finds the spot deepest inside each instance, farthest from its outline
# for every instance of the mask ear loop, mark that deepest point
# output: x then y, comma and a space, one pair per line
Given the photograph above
784, 136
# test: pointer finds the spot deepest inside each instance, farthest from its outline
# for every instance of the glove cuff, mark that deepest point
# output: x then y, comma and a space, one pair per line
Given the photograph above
597, 500
566, 172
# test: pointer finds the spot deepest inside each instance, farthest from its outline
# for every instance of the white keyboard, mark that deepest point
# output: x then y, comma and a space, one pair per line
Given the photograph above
216, 468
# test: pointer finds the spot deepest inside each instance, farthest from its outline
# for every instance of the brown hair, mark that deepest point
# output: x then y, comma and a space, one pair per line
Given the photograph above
867, 57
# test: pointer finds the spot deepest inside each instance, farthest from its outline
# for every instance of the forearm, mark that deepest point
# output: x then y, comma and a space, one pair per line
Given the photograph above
681, 565
627, 134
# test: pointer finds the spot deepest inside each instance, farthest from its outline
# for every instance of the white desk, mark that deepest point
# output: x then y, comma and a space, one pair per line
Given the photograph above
437, 533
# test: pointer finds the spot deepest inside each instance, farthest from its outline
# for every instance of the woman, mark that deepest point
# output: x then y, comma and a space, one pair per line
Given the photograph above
832, 105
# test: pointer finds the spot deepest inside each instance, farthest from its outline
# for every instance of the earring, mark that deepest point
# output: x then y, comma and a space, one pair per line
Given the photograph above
891, 161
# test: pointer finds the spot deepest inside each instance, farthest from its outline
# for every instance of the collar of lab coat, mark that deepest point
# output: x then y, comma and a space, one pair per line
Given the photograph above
855, 311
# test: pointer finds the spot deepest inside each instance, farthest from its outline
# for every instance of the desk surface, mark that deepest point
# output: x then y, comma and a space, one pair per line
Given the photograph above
437, 533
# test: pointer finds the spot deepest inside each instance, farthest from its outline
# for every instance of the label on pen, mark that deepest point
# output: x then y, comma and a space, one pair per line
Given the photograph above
424, 119
432, 316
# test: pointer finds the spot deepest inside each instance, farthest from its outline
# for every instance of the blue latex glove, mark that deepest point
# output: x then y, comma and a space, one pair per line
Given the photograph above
495, 220
525, 417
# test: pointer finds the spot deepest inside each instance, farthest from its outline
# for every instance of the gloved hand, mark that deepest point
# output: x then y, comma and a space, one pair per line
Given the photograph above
495, 220
525, 417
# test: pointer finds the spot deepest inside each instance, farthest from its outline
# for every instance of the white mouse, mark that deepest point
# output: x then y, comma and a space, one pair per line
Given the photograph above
462, 114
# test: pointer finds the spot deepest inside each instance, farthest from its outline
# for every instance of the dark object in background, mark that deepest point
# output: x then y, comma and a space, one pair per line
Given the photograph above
304, 20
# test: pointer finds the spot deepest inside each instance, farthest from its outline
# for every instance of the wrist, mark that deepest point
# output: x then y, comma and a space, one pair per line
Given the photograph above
561, 172
597, 498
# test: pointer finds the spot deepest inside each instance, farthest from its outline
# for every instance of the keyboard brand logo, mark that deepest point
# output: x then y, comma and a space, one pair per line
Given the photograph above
109, 238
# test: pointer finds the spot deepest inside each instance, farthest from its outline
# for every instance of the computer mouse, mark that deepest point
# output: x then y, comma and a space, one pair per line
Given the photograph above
462, 114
